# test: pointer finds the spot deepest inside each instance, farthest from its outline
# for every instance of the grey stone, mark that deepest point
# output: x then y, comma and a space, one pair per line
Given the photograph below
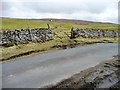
26, 35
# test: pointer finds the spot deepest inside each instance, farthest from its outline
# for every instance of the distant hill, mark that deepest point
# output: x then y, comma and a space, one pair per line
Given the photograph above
56, 24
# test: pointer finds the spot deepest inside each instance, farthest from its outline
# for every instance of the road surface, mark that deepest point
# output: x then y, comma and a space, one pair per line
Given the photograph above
50, 68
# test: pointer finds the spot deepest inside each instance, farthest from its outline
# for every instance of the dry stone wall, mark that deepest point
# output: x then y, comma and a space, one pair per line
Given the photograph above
45, 34
25, 35
89, 33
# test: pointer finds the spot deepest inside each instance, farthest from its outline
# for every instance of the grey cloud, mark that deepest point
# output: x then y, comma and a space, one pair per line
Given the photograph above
47, 7
77, 9
6, 6
58, 7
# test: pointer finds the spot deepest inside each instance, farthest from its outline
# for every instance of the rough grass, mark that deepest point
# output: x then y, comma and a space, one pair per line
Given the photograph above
12, 24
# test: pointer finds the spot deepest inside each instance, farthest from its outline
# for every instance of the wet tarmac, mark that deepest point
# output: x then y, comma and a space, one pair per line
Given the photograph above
50, 68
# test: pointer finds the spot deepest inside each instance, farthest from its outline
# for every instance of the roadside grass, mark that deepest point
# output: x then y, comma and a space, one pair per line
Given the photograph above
46, 46
101, 40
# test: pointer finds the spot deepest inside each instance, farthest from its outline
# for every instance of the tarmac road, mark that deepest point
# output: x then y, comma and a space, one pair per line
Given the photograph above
50, 68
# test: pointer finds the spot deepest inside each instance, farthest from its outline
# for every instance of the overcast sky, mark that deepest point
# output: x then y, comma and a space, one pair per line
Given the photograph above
92, 10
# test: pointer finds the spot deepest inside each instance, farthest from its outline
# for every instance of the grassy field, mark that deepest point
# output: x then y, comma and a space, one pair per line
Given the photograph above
58, 26
12, 24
